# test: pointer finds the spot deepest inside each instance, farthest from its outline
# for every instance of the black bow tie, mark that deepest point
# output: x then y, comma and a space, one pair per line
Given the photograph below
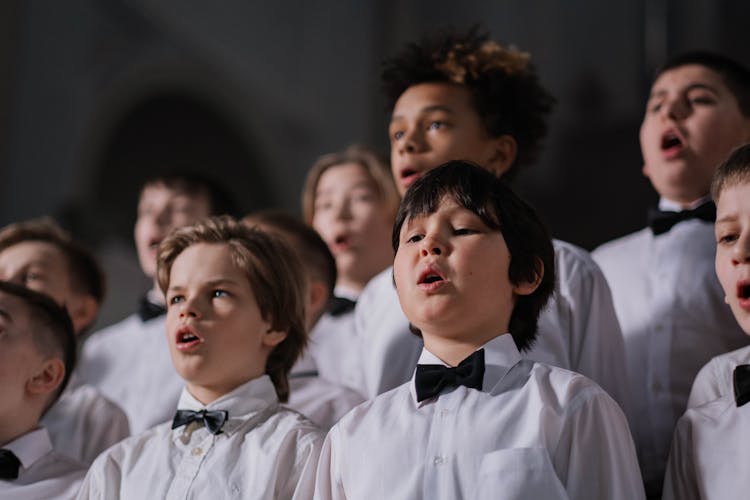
148, 310
661, 221
430, 380
9, 464
742, 384
340, 305
212, 420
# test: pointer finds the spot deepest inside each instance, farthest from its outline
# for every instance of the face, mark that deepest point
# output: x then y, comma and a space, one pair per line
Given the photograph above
434, 123
451, 273
217, 336
161, 210
733, 250
20, 360
692, 123
40, 266
350, 216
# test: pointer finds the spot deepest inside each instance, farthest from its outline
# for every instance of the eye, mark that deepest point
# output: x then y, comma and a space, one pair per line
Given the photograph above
415, 238
219, 293
726, 239
397, 135
436, 125
31, 276
323, 205
461, 231
176, 299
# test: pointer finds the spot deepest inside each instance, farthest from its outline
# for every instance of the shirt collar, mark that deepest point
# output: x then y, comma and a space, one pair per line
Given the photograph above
500, 355
666, 205
31, 446
241, 403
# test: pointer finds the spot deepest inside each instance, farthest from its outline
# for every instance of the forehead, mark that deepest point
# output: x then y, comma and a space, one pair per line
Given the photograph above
160, 192
734, 197
676, 79
203, 261
434, 96
40, 252
343, 175
13, 309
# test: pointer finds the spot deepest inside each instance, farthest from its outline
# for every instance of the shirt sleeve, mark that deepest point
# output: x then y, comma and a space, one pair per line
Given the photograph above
680, 481
328, 484
597, 347
595, 457
303, 483
94, 484
706, 386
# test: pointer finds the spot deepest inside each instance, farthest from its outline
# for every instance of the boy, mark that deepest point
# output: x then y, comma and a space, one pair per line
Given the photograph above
709, 454
38, 254
235, 326
129, 361
466, 97
323, 400
668, 300
350, 199
473, 269
37, 355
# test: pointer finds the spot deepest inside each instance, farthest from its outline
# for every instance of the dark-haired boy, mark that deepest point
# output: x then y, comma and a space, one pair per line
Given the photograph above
322, 400
668, 300
37, 356
473, 269
40, 255
464, 97
709, 453
235, 326
129, 361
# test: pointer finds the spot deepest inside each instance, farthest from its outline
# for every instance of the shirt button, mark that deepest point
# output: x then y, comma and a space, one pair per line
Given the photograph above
197, 451
444, 413
438, 460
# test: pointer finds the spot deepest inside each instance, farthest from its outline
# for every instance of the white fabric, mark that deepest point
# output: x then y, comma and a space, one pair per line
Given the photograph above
671, 309
83, 423
578, 329
264, 451
710, 453
129, 363
332, 348
716, 378
321, 401
44, 473
533, 432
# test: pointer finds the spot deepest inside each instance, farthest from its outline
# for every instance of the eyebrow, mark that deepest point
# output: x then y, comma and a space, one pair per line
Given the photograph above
425, 110
209, 283
692, 86
727, 218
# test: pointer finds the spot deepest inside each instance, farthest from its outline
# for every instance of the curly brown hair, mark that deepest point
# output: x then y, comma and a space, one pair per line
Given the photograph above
276, 279
503, 83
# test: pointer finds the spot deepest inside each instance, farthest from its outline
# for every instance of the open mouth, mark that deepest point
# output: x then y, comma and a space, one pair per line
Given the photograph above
431, 278
671, 144
341, 242
743, 290
409, 176
187, 338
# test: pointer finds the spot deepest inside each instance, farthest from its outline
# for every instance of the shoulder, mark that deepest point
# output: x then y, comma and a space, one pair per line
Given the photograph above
731, 359
381, 284
107, 335
572, 262
616, 248
135, 448
284, 420
563, 390
384, 411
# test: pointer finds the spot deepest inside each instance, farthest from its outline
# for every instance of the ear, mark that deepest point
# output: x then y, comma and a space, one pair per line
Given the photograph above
317, 296
83, 310
527, 287
48, 378
273, 338
646, 171
503, 154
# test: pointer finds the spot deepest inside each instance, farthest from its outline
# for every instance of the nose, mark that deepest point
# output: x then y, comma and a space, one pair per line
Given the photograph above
412, 142
432, 245
675, 109
344, 210
189, 309
741, 251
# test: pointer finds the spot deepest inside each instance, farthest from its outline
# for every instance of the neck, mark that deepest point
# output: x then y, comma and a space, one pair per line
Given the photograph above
14, 426
155, 295
351, 284
453, 351
208, 393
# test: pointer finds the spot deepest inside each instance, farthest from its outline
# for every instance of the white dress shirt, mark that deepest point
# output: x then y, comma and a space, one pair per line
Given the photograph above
671, 309
710, 453
716, 378
332, 342
533, 432
83, 423
264, 451
320, 400
129, 362
44, 473
578, 329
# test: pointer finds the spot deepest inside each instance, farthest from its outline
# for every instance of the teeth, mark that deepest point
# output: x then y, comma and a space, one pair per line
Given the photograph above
188, 338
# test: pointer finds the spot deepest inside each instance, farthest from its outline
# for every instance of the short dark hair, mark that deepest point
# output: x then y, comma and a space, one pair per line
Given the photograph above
195, 184
735, 76
492, 200
506, 91
735, 170
86, 276
312, 250
275, 276
51, 329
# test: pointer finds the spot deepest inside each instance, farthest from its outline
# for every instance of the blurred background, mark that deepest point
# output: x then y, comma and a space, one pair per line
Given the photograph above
97, 94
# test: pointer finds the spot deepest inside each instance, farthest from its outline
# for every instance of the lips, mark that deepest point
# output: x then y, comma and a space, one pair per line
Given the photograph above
409, 175
187, 339
341, 243
672, 144
743, 294
431, 278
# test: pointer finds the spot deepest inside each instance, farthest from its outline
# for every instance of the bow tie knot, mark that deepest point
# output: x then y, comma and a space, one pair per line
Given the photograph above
212, 420
742, 384
9, 464
662, 221
340, 306
430, 380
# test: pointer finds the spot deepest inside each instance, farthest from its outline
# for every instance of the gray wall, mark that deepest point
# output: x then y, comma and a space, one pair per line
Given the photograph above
99, 93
